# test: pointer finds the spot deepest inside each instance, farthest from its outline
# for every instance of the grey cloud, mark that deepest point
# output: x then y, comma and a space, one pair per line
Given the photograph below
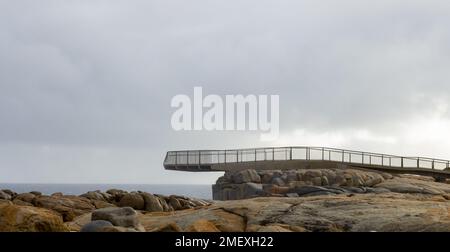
82, 75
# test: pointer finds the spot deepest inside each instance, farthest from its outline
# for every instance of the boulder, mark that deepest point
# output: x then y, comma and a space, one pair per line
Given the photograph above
78, 222
236, 191
317, 181
277, 181
313, 173
291, 176
223, 180
21, 203
186, 204
374, 181
152, 203
4, 196
36, 193
68, 206
118, 216
101, 204
93, 195
133, 200
266, 177
96, 226
175, 203
324, 181
163, 201
27, 197
245, 176
115, 194
11, 193
14, 218
251, 190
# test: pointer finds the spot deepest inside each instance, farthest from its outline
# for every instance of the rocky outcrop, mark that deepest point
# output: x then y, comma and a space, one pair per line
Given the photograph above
215, 218
293, 183
414, 184
142, 200
70, 206
343, 200
15, 218
118, 207
330, 213
313, 182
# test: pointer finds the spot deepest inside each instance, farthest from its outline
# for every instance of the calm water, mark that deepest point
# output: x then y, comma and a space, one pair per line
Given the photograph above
197, 191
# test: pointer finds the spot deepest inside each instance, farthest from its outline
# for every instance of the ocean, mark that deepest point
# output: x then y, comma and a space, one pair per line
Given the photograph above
196, 191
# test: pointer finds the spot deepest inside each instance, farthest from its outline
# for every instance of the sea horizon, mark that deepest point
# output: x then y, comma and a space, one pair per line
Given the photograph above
202, 191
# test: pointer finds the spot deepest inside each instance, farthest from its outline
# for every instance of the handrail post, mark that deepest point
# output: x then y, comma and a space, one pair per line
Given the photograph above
176, 159
370, 159
290, 153
448, 164
432, 165
323, 154
362, 157
273, 154
390, 161
187, 158
225, 157
199, 158
402, 161
382, 160
255, 155
418, 162
343, 156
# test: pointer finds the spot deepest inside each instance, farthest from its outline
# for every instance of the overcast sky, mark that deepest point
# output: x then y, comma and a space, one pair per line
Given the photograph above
85, 86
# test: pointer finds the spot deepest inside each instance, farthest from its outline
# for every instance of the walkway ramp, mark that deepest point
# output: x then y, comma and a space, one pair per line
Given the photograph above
300, 157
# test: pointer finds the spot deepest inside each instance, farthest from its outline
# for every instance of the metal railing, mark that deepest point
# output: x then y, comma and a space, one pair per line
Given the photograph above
211, 157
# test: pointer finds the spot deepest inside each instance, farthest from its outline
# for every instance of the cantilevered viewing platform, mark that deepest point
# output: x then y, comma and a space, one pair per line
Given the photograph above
302, 157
